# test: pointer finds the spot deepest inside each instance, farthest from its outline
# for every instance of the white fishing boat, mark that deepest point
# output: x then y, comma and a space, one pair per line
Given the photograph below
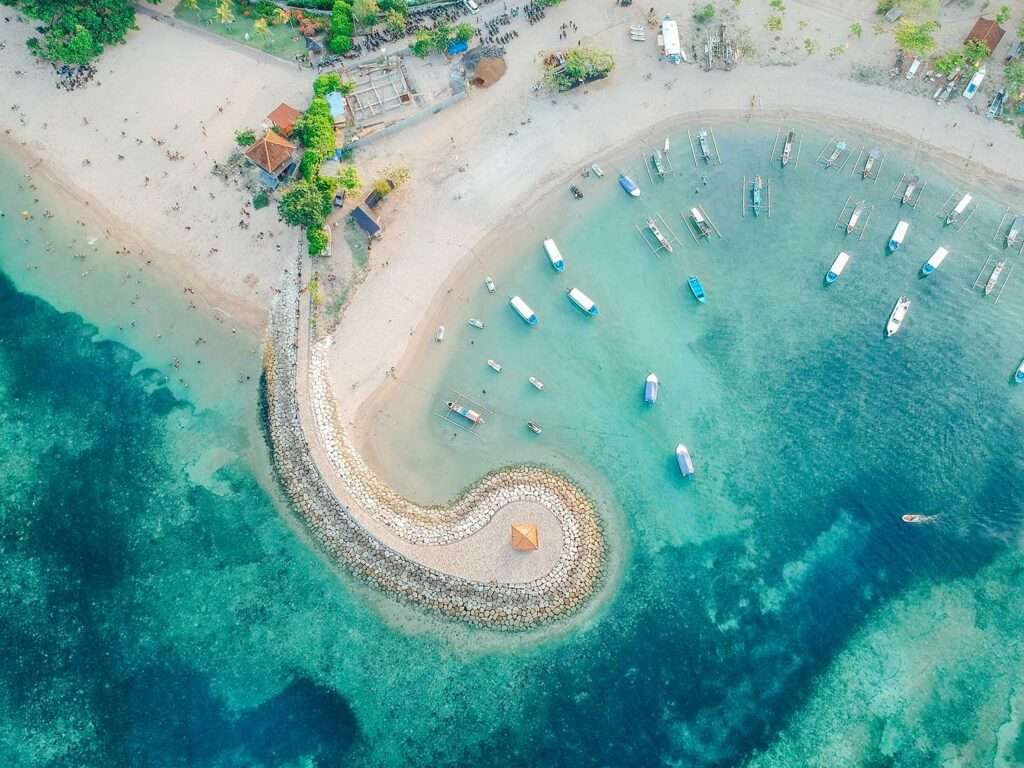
659, 162
597, 170
683, 460
494, 365
705, 149
439, 336
668, 145
837, 151
974, 84
476, 323
908, 193
523, 310
490, 284
787, 148
663, 241
537, 383
1016, 232
700, 223
869, 164
467, 413
957, 212
858, 211
898, 235
935, 261
554, 255
897, 316
651, 387
993, 278
581, 300
837, 267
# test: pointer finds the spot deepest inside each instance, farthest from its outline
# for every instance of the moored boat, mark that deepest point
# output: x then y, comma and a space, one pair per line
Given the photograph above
534, 427
467, 413
554, 255
537, 383
663, 241
700, 222
1016, 232
629, 185
858, 211
490, 284
1019, 375
787, 148
576, 192
917, 518
651, 389
476, 323
683, 460
869, 164
837, 150
523, 310
897, 316
993, 278
439, 336
581, 300
899, 235
696, 289
658, 162
494, 365
957, 211
668, 145
837, 267
755, 194
934, 261
597, 170
705, 150
908, 193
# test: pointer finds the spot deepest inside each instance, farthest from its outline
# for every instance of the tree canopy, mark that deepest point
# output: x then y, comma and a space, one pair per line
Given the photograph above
76, 31
916, 38
316, 128
307, 203
581, 65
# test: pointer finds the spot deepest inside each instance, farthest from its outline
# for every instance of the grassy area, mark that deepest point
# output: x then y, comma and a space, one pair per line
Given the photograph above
280, 40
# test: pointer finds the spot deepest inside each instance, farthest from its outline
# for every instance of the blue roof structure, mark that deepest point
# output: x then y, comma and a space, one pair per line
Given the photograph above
337, 104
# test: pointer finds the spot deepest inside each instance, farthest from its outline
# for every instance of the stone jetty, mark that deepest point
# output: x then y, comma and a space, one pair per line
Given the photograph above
294, 379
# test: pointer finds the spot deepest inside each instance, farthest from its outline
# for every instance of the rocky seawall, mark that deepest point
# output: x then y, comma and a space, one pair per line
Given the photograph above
507, 606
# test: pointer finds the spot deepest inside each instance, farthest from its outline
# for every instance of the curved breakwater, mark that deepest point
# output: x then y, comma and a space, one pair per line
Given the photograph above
496, 604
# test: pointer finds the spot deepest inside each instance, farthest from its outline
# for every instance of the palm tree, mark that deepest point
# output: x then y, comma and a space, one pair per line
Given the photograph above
226, 12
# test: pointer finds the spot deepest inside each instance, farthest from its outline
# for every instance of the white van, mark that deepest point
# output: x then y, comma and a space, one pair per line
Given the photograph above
472, 6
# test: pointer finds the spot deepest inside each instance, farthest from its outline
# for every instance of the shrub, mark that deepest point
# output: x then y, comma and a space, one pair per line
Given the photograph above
704, 14
324, 84
262, 200
395, 21
266, 10
348, 178
975, 51
811, 46
856, 30
316, 128
423, 44
364, 12
884, 6
1004, 15
777, 5
1014, 73
916, 38
317, 239
464, 32
309, 166
948, 63
774, 23
245, 137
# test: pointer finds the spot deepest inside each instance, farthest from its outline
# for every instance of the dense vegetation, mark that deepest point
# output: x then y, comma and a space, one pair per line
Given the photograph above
440, 37
582, 65
75, 31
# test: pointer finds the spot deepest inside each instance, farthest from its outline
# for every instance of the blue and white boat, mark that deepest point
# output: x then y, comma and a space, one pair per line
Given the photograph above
629, 185
683, 460
554, 255
837, 267
933, 263
755, 194
898, 235
651, 389
523, 310
1019, 375
897, 316
584, 302
697, 289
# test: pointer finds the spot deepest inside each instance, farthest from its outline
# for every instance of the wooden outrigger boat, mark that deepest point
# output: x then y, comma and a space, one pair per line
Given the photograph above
700, 223
705, 150
465, 412
1016, 232
534, 427
755, 194
959, 209
697, 289
869, 164
858, 211
787, 148
908, 193
993, 278
837, 151
663, 241
658, 162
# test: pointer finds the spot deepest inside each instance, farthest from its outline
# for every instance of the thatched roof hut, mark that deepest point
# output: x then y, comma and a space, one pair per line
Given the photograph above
484, 65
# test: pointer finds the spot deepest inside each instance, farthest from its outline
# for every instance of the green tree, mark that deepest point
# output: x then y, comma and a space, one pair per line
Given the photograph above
365, 12
317, 239
76, 31
305, 204
975, 51
226, 11
347, 87
401, 6
348, 178
339, 36
245, 137
704, 14
309, 166
582, 65
316, 128
423, 44
261, 26
774, 23
324, 84
395, 21
464, 32
950, 62
441, 36
917, 39
1004, 15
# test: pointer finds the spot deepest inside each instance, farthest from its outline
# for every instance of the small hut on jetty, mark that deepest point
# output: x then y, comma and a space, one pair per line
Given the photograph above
524, 537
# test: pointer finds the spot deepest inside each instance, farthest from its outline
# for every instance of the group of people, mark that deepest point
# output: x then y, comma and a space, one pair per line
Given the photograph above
69, 77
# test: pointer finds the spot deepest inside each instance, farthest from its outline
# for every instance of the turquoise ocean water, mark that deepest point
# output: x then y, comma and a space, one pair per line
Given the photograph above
159, 607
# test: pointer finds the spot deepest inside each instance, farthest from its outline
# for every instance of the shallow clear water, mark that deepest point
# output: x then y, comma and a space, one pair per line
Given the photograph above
157, 608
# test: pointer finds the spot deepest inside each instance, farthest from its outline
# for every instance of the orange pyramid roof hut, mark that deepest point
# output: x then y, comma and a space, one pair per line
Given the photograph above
524, 536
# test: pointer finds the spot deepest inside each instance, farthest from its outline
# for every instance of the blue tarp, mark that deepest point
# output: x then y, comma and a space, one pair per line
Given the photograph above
457, 46
337, 104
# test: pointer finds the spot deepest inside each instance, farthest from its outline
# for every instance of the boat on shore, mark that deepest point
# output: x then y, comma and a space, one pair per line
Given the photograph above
975, 83
837, 151
490, 284
696, 289
465, 412
908, 193
537, 383
858, 211
534, 427
700, 223
576, 192
651, 389
705, 150
658, 162
755, 194
554, 255
993, 278
523, 310
897, 316
629, 185
597, 170
663, 241
683, 460
439, 336
957, 211
869, 164
476, 323
1016, 232
581, 300
787, 148
898, 235
837, 267
935, 261
494, 365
